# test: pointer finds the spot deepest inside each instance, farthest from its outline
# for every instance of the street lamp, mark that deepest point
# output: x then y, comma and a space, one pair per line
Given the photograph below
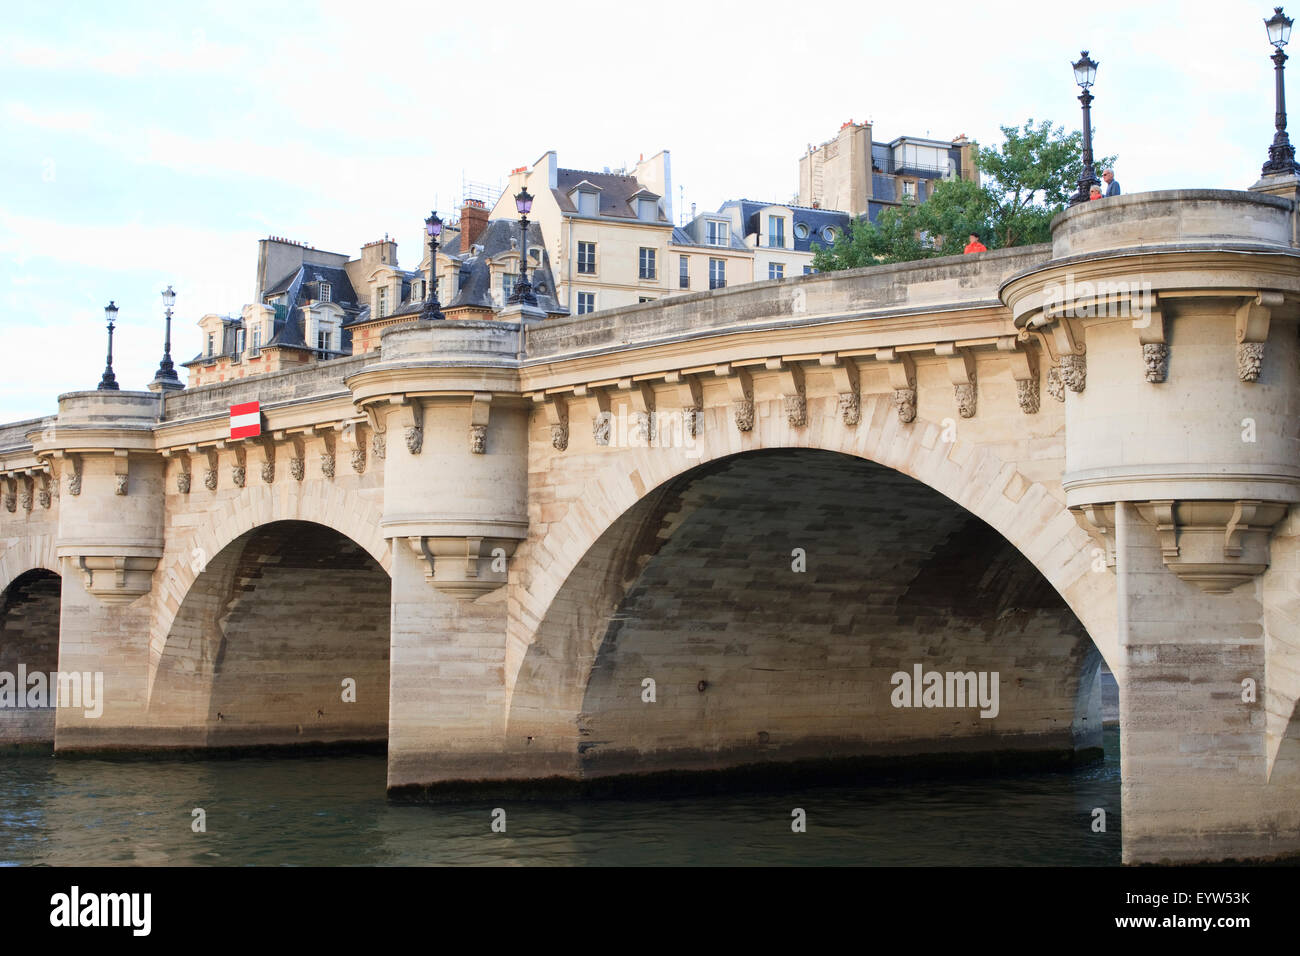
1085, 74
523, 292
1281, 155
109, 382
432, 309
166, 376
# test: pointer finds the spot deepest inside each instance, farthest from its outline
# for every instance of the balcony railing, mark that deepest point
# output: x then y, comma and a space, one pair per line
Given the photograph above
890, 167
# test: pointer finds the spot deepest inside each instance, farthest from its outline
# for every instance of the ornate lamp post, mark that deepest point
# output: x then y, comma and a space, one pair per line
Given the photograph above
1085, 73
166, 376
1281, 155
523, 292
109, 380
432, 308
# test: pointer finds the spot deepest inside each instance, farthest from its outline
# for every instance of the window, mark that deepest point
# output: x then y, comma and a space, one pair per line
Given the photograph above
239, 343
507, 285
776, 270
683, 272
323, 337
647, 263
588, 204
717, 273
776, 232
381, 301
586, 302
717, 233
800, 230
212, 344
645, 298
646, 209
929, 158
587, 258
417, 290
809, 270
909, 189
257, 341
828, 233
325, 292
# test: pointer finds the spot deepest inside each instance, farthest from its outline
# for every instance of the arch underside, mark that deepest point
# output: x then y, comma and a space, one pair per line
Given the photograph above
29, 645
353, 514
260, 649
771, 597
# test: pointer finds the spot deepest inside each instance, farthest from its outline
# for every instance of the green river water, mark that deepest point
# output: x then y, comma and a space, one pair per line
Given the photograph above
329, 811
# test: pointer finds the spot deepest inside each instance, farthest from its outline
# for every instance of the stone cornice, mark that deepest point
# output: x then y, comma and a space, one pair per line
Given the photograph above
917, 330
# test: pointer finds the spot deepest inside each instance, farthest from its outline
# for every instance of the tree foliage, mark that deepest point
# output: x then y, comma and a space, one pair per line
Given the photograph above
1024, 183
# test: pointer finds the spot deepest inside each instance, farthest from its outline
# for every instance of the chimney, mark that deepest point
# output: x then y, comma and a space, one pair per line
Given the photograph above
380, 251
473, 220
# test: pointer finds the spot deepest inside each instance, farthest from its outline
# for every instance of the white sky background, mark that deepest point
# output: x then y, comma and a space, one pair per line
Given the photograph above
147, 144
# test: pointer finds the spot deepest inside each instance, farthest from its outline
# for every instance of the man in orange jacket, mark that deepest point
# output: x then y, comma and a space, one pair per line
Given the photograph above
975, 245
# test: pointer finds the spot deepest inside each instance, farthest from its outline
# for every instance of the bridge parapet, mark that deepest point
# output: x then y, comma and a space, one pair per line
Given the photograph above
951, 283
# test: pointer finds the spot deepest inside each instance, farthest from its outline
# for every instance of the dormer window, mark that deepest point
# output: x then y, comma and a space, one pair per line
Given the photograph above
381, 301
717, 232
588, 203
776, 232
325, 292
647, 209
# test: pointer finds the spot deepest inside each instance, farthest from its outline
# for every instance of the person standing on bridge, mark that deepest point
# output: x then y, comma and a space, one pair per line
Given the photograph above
975, 245
1112, 187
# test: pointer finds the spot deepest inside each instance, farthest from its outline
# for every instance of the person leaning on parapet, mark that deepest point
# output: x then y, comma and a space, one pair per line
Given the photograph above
1112, 187
975, 245
1094, 192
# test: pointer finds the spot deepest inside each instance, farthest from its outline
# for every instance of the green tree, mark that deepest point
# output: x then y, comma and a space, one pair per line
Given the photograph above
1025, 182
1030, 178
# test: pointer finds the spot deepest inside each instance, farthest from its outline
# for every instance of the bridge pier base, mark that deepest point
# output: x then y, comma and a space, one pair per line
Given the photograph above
1200, 779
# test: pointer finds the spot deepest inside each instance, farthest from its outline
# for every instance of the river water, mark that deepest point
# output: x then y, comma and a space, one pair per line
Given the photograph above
333, 811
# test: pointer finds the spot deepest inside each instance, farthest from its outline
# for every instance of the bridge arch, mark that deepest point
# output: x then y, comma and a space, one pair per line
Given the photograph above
30, 599
283, 639
21, 555
582, 564
317, 501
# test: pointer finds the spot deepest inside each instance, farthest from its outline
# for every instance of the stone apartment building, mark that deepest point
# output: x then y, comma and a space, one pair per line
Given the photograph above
311, 305
607, 233
782, 236
709, 252
853, 173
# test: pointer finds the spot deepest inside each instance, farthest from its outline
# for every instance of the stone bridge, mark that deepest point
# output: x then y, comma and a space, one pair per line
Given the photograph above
704, 534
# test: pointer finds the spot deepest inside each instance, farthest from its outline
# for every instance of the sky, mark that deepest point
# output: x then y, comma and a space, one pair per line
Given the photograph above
147, 144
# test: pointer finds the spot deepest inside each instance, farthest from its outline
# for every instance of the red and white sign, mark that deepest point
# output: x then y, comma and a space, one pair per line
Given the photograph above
246, 420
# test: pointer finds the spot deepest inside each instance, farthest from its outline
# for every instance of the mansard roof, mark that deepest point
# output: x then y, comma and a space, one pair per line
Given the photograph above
614, 189
475, 285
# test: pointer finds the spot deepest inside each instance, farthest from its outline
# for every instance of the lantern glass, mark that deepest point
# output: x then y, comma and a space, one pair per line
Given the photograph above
433, 225
110, 312
168, 297
1085, 71
524, 202
1279, 28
